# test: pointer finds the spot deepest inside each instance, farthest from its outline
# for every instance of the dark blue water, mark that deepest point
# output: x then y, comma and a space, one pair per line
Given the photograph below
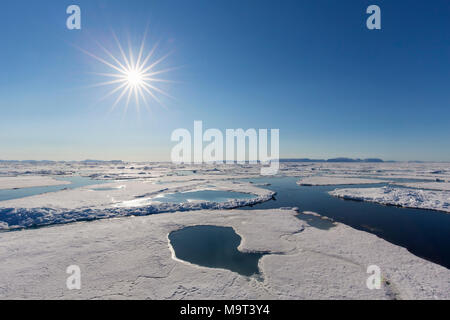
214, 247
206, 195
425, 233
75, 182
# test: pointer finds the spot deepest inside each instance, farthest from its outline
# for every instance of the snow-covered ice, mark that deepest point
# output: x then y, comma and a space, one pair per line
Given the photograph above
128, 255
444, 186
130, 258
409, 198
123, 198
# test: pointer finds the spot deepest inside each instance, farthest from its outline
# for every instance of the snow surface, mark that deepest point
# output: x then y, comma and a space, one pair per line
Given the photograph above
131, 258
410, 198
443, 186
144, 170
29, 182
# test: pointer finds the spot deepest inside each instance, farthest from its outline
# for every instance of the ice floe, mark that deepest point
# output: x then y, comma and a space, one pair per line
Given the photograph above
130, 258
403, 197
129, 198
443, 186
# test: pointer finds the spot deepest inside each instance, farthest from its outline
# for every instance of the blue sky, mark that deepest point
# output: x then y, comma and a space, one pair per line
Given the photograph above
310, 68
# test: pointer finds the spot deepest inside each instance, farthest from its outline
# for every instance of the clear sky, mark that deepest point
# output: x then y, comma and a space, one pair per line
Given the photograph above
309, 68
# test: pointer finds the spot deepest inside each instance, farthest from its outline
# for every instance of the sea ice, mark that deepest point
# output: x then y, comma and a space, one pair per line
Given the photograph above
123, 198
131, 258
443, 186
403, 197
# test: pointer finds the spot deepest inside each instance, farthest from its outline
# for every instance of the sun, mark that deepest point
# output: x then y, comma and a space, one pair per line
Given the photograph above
133, 78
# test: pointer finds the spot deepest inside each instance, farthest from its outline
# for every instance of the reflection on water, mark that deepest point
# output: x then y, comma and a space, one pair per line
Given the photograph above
214, 247
425, 233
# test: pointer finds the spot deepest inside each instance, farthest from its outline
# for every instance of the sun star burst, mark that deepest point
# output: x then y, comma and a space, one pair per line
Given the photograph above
133, 78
